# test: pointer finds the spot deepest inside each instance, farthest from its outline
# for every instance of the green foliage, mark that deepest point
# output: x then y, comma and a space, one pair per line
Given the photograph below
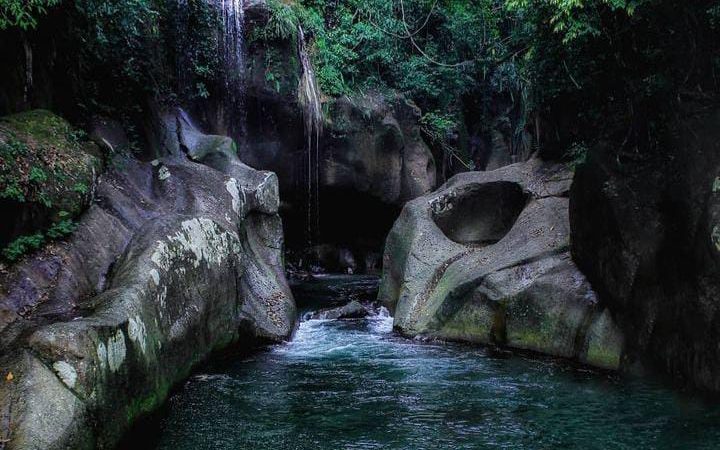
119, 55
283, 22
270, 77
42, 159
23, 13
615, 70
116, 32
65, 226
23, 245
198, 47
13, 191
574, 18
46, 166
37, 175
26, 244
433, 51
577, 154
80, 188
437, 126
10, 151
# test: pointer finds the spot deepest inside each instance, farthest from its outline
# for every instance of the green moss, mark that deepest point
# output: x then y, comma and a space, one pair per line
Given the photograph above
472, 323
603, 356
528, 339
529, 327
46, 167
142, 406
604, 343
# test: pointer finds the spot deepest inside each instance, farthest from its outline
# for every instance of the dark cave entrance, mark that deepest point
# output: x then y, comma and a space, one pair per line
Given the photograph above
352, 232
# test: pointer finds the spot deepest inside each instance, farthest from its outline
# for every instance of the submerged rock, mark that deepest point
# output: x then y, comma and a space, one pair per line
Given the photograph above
486, 259
353, 310
174, 260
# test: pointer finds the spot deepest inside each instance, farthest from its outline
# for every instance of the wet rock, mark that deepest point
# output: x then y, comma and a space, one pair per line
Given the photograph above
486, 259
174, 260
353, 310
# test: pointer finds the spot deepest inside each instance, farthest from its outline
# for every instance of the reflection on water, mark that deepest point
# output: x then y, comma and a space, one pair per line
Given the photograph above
355, 385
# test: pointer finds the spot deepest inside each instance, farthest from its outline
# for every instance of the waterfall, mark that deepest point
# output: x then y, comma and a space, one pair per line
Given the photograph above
229, 16
233, 41
309, 98
233, 63
28, 69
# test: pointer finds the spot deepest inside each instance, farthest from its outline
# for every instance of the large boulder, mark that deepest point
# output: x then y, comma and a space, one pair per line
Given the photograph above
646, 231
486, 259
175, 259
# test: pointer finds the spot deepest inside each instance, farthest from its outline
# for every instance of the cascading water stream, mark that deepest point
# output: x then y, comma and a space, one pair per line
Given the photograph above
233, 42
229, 110
309, 98
233, 63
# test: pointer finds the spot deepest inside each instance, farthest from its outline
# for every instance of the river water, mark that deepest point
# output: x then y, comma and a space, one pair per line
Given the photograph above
356, 385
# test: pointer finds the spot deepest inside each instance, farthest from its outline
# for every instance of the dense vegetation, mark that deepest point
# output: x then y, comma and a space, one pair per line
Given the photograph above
583, 70
47, 168
563, 61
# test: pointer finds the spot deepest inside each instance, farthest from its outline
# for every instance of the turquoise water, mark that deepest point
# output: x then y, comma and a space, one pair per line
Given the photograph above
356, 385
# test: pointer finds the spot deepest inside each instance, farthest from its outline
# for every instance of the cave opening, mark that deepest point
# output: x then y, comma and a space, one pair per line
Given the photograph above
352, 232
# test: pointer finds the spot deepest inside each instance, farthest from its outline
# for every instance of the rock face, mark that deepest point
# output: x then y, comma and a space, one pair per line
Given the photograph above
373, 160
646, 231
373, 145
175, 259
486, 259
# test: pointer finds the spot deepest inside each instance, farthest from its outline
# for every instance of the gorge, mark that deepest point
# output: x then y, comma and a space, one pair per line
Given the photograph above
359, 224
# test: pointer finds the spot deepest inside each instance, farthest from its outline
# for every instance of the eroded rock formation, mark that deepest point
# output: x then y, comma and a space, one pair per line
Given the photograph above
176, 258
373, 145
486, 259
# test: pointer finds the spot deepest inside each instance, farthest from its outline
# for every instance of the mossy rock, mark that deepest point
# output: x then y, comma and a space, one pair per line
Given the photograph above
47, 172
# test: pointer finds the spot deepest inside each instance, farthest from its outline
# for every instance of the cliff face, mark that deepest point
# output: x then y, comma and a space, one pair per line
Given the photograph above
645, 232
175, 258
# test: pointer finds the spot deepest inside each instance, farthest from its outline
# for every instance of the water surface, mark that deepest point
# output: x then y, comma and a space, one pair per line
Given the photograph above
356, 385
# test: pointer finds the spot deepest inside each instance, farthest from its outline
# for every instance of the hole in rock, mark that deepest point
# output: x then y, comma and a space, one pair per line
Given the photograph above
482, 215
